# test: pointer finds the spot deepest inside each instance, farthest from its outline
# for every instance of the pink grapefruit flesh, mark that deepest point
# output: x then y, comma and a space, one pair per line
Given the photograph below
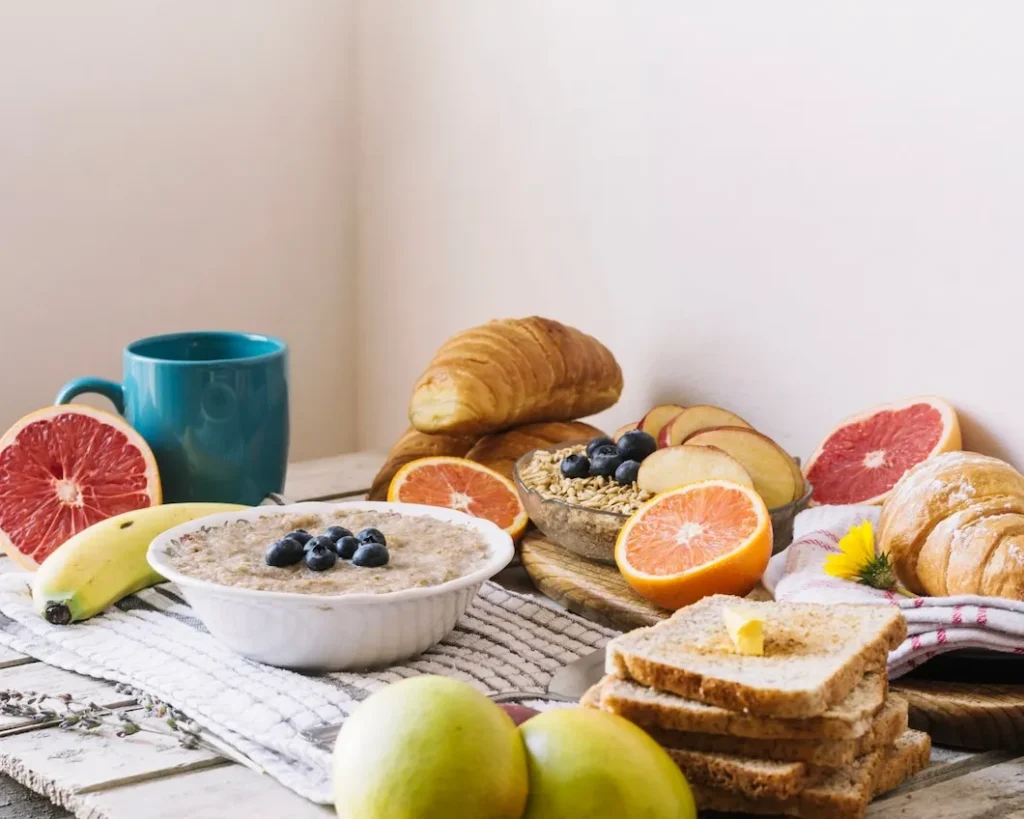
65, 468
864, 456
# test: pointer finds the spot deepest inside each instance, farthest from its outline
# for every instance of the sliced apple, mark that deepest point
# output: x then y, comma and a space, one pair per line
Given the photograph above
623, 430
656, 419
693, 419
677, 466
767, 462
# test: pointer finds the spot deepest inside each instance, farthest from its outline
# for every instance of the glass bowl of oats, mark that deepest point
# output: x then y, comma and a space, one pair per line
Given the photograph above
582, 515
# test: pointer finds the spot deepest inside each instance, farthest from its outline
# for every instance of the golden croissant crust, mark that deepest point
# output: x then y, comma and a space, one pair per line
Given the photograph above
411, 446
501, 450
511, 372
954, 524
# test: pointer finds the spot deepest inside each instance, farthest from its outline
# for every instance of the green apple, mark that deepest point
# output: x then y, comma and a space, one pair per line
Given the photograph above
429, 747
598, 765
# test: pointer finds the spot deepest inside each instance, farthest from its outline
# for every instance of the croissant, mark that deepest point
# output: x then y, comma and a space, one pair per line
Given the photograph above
501, 450
511, 372
954, 524
409, 447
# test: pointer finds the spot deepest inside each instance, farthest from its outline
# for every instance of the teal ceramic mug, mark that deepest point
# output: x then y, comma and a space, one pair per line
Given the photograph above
212, 405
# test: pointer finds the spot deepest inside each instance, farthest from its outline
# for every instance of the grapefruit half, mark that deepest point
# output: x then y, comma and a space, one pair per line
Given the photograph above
463, 485
65, 468
862, 458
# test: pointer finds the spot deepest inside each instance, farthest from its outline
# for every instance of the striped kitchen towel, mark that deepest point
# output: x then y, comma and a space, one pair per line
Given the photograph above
935, 625
151, 641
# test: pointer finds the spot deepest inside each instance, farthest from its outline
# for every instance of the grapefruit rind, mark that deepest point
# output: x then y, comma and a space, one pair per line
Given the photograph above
949, 440
153, 486
736, 571
515, 529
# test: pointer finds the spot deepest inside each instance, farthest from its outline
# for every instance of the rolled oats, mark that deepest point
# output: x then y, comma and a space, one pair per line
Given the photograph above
543, 475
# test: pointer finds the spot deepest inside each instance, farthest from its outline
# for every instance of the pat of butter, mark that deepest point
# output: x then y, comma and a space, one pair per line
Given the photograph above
745, 630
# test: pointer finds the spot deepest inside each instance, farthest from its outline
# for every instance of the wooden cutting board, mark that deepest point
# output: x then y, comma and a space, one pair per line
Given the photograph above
971, 715
593, 590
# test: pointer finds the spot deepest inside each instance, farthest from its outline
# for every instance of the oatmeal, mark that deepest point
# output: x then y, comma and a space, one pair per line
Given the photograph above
543, 475
422, 551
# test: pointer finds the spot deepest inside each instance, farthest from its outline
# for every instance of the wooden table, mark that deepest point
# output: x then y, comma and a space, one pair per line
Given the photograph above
95, 777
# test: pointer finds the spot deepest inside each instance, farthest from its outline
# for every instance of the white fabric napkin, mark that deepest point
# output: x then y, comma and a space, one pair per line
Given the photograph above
935, 625
152, 642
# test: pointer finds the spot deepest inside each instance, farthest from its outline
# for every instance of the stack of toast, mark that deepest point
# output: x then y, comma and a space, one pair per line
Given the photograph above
806, 728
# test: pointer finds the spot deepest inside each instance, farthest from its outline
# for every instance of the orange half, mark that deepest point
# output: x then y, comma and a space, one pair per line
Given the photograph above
713, 537
465, 486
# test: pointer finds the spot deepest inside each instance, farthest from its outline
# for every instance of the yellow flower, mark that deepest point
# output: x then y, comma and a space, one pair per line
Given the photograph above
858, 561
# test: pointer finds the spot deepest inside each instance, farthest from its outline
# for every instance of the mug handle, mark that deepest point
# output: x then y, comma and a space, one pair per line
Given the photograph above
110, 390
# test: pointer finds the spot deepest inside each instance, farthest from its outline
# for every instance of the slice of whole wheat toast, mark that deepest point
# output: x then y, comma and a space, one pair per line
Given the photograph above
814, 655
848, 719
752, 778
842, 793
839, 794
888, 725
907, 757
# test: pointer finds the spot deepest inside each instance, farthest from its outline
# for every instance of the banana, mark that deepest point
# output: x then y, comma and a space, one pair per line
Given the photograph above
101, 564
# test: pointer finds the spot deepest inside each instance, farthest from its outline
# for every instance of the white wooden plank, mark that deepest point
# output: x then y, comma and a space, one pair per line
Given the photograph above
334, 477
228, 792
993, 792
49, 680
63, 764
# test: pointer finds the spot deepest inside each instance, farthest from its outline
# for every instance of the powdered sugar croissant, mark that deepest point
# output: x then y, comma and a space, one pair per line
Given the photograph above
511, 372
954, 524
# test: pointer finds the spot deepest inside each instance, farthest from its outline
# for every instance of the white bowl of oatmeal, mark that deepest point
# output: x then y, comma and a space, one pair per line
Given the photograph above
344, 618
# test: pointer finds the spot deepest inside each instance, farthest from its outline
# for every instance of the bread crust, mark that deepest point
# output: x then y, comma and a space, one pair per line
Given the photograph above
831, 794
848, 720
510, 372
412, 445
643, 656
890, 723
753, 778
501, 450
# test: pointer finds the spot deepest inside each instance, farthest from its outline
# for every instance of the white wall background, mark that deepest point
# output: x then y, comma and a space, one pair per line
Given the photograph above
794, 209
791, 209
177, 165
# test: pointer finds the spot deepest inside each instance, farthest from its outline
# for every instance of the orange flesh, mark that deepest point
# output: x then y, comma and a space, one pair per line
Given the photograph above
691, 529
464, 489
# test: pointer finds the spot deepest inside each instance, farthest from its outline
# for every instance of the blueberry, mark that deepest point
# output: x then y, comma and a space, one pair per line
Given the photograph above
322, 542
575, 466
372, 535
627, 472
346, 547
371, 555
300, 535
636, 445
285, 552
605, 461
602, 441
336, 533
320, 559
